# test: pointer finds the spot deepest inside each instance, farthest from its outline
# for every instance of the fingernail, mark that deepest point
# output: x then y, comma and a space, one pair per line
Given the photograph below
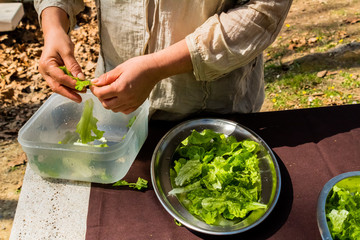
95, 81
81, 76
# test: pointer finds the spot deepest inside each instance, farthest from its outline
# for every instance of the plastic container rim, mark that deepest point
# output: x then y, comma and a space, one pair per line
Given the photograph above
75, 148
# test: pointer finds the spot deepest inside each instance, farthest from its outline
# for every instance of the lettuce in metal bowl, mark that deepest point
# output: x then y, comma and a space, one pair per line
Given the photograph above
164, 158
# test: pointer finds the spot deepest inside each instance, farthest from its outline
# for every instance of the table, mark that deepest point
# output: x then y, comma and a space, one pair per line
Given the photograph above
311, 146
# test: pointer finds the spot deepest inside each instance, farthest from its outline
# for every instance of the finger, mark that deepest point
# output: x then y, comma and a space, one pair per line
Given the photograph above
107, 78
105, 92
51, 69
112, 103
73, 66
63, 90
71, 94
59, 76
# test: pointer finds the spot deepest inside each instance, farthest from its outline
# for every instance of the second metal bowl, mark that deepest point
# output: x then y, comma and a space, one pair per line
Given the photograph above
344, 178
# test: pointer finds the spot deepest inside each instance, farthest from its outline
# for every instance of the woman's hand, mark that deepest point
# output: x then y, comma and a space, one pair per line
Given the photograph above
126, 87
58, 51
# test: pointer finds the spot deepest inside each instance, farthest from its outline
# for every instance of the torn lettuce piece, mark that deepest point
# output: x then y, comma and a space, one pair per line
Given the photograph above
337, 219
216, 177
86, 129
140, 184
189, 171
87, 124
188, 188
131, 122
342, 209
80, 84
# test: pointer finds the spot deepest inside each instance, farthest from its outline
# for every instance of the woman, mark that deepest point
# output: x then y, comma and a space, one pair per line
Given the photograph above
185, 56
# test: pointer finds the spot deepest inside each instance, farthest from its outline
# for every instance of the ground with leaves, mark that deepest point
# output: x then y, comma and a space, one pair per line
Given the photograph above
22, 91
315, 61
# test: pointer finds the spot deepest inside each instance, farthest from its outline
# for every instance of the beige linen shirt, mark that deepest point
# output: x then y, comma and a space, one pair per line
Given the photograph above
225, 39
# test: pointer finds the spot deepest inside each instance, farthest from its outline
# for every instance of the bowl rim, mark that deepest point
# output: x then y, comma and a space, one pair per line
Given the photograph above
320, 212
275, 196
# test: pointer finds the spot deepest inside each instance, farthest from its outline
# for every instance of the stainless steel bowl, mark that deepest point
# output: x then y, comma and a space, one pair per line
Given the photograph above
321, 216
162, 160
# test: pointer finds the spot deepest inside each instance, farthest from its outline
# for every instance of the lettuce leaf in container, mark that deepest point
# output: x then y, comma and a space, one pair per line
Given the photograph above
217, 177
86, 129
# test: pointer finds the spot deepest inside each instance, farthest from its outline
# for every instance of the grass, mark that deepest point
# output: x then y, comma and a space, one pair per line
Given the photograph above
298, 71
349, 81
292, 88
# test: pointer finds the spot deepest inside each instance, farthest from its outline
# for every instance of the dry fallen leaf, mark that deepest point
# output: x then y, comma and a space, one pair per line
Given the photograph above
342, 34
20, 160
22, 88
312, 40
352, 20
322, 74
297, 43
332, 73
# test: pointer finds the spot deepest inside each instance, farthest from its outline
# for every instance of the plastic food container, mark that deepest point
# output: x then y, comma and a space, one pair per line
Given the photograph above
40, 137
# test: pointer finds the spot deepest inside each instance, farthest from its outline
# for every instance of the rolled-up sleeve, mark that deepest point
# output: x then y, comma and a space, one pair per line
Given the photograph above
232, 39
71, 7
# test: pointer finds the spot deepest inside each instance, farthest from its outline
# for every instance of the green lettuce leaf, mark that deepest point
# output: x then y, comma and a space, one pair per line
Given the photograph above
86, 127
190, 187
217, 177
140, 184
337, 219
189, 171
343, 210
80, 84
131, 122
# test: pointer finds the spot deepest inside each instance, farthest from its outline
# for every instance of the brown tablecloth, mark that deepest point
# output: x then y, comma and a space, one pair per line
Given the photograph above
311, 145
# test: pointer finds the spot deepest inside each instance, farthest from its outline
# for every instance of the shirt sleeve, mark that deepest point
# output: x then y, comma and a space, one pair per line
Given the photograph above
72, 8
232, 39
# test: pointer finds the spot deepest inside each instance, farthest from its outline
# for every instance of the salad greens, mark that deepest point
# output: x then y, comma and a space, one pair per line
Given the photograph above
85, 128
80, 84
140, 183
342, 210
75, 167
216, 177
131, 122
177, 223
87, 124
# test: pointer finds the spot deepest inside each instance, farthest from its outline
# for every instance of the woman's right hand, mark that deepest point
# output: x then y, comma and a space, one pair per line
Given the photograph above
59, 51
